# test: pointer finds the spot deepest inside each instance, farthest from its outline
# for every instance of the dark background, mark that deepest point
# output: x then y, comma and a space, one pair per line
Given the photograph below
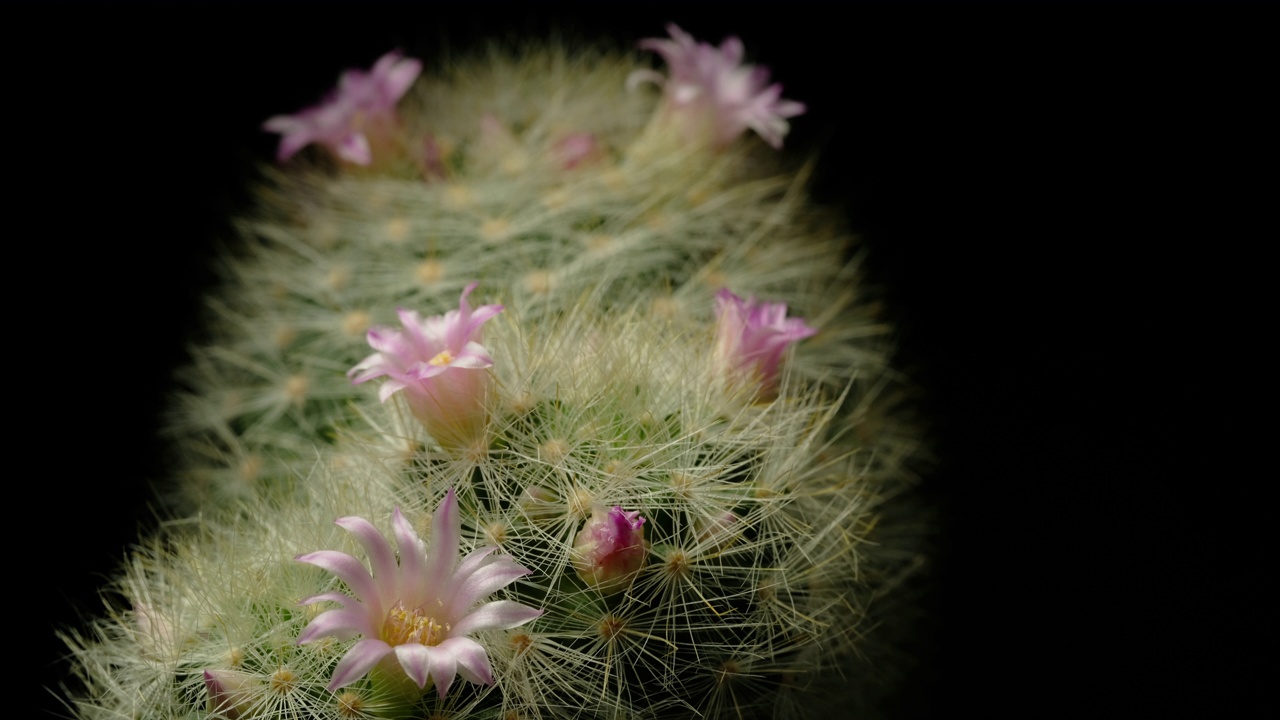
1058, 201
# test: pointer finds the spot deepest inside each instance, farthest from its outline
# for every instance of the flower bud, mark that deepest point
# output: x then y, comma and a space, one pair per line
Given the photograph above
539, 502
610, 549
751, 337
230, 693
718, 531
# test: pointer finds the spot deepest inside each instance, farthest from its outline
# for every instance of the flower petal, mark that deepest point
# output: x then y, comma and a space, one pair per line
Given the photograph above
446, 533
485, 580
399, 77
481, 315
341, 624
474, 356
291, 143
348, 569
458, 330
472, 661
642, 76
387, 341
471, 562
354, 147
359, 660
413, 560
416, 661
334, 596
383, 560
497, 615
444, 666
367, 369
389, 388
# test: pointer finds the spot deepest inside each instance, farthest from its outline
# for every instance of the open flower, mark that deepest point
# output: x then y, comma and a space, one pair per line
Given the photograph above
417, 614
610, 549
751, 337
712, 94
440, 365
363, 102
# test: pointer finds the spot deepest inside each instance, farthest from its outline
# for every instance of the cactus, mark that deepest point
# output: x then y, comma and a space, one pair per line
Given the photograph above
658, 464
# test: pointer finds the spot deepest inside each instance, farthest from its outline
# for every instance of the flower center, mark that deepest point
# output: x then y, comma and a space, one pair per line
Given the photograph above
403, 627
443, 358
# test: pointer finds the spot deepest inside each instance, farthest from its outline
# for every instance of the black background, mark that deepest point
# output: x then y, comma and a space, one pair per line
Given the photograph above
1058, 201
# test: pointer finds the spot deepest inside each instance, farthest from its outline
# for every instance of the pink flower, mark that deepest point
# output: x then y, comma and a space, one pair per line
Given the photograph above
440, 365
610, 549
714, 94
418, 613
751, 337
362, 101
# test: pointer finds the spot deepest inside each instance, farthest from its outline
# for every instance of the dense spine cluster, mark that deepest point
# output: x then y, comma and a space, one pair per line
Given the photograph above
703, 533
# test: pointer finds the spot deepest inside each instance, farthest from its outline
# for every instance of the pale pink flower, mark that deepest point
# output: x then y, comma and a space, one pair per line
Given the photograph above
751, 338
440, 365
610, 549
713, 94
416, 614
361, 102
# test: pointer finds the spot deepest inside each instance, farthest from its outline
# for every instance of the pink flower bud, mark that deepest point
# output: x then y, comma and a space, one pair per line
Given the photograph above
718, 531
751, 338
610, 549
229, 693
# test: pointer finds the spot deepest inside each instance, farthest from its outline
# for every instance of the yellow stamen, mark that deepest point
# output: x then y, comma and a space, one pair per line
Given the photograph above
443, 358
412, 626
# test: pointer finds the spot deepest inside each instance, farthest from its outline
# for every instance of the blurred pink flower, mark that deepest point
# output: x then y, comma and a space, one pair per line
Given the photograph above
417, 614
576, 149
362, 100
610, 549
751, 337
713, 94
440, 365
